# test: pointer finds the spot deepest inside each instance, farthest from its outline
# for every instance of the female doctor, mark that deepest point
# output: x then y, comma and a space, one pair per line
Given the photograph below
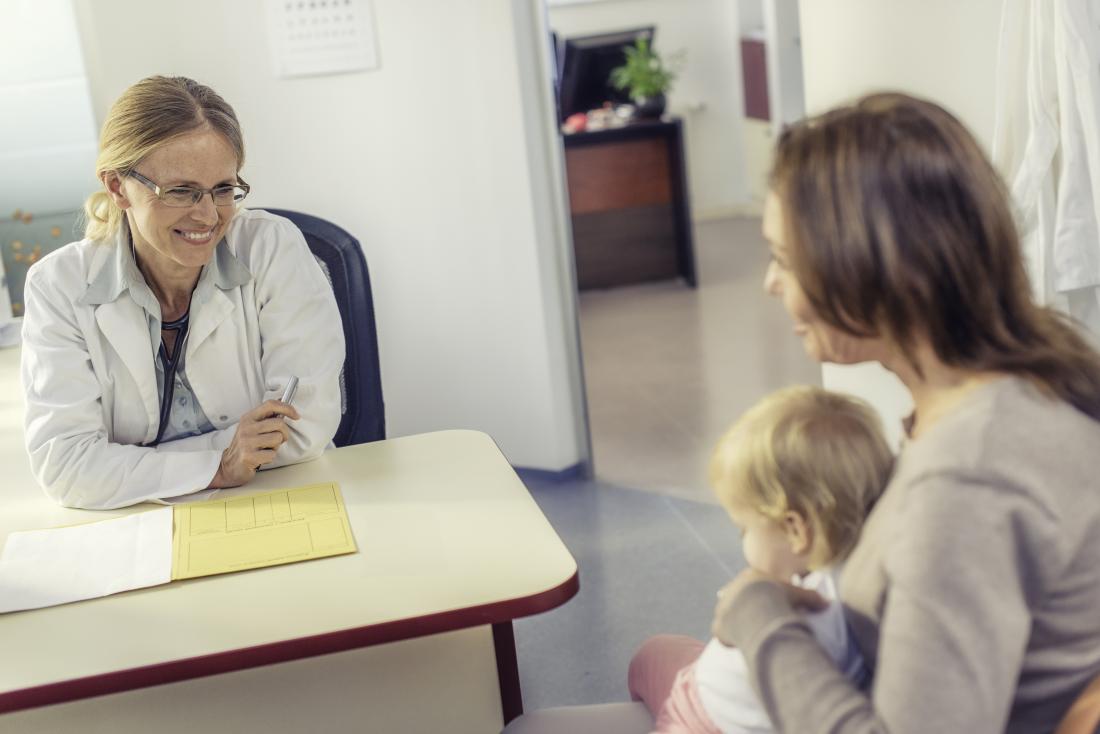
154, 349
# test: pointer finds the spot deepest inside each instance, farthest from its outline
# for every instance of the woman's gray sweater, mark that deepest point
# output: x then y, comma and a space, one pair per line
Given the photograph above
974, 591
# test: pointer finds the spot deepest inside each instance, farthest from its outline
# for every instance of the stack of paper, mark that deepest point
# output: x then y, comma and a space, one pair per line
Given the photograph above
40, 568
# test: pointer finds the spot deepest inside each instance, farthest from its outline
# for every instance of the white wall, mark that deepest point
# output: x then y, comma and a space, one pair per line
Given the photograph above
429, 162
944, 50
786, 91
708, 94
751, 14
47, 136
941, 49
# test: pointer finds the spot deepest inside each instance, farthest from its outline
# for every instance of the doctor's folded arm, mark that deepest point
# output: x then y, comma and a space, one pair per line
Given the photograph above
155, 350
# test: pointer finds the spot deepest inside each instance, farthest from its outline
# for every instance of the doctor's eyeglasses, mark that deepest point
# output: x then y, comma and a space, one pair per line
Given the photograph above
185, 196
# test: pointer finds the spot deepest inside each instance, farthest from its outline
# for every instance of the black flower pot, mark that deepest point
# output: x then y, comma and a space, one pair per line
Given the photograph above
649, 108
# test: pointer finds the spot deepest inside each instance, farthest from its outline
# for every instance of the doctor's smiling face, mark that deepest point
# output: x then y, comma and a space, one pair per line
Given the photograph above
822, 341
168, 238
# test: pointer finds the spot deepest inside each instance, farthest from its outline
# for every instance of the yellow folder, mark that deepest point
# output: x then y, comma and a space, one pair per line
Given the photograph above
268, 529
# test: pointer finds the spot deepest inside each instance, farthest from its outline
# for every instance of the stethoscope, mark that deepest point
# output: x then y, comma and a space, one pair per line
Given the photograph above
171, 363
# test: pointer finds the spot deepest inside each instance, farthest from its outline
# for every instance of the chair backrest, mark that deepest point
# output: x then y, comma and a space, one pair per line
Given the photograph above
1083, 716
341, 258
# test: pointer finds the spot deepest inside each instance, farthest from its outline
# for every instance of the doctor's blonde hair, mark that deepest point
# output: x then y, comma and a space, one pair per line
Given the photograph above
807, 450
149, 114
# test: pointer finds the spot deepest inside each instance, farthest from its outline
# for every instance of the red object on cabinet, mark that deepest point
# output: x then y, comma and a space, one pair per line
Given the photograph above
754, 69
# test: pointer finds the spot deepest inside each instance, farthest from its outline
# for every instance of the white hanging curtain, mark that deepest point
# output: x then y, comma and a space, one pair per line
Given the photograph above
1046, 144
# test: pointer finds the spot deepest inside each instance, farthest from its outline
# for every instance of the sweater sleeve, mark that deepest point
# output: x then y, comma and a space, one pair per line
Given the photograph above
954, 628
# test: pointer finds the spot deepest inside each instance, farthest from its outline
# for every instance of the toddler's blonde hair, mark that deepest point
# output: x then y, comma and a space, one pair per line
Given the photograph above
803, 449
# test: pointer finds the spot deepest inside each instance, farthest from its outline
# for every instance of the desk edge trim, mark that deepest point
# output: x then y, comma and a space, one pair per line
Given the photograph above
272, 653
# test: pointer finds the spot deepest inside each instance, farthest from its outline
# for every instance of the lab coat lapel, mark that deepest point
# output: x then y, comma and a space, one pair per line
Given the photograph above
206, 319
123, 324
211, 304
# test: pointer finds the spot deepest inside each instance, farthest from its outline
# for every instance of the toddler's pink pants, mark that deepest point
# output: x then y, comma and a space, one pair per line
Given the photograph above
662, 676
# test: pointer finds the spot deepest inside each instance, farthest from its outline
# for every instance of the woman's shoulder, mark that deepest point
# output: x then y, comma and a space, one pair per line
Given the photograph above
1015, 442
253, 224
1012, 470
256, 235
69, 265
1006, 418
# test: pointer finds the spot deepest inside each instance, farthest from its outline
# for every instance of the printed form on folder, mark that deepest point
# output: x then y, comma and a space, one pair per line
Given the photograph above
221, 536
41, 568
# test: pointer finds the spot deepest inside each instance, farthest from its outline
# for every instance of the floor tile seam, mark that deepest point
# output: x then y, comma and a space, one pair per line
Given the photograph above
665, 491
698, 537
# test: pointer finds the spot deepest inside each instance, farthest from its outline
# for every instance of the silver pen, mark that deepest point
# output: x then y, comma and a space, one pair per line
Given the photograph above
291, 388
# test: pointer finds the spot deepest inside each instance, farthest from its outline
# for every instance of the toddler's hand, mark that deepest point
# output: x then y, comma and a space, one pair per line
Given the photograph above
798, 597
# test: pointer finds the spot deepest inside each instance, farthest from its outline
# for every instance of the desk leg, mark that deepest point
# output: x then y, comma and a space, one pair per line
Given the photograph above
511, 698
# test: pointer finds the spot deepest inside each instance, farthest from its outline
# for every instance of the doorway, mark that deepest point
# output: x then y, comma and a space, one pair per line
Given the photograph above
667, 367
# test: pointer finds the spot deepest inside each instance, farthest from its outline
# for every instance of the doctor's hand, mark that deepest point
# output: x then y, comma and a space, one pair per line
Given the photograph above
800, 598
260, 433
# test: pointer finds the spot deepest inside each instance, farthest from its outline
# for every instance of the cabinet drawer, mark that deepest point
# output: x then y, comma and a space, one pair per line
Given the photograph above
618, 175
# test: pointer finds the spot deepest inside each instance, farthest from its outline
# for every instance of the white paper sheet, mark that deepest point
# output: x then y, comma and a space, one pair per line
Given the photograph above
41, 568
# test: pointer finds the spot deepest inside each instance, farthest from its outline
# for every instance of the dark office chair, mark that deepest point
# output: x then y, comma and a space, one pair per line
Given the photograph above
341, 259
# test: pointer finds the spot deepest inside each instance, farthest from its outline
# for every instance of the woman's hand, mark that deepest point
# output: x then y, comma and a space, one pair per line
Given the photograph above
798, 597
260, 433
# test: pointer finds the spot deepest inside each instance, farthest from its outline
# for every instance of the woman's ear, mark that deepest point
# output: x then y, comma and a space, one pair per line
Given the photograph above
800, 534
112, 182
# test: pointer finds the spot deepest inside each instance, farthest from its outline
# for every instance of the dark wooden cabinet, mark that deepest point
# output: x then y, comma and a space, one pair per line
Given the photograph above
629, 202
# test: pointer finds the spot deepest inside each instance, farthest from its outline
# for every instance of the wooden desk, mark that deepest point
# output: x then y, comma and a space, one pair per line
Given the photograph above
410, 634
629, 201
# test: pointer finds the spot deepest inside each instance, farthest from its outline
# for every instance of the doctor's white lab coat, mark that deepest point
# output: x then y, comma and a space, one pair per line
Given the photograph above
262, 311
1046, 144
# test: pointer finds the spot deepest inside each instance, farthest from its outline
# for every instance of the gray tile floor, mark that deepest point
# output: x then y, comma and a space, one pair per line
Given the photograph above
668, 368
649, 563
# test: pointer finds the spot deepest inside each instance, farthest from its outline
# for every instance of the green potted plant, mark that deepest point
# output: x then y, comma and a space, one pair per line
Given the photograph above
645, 77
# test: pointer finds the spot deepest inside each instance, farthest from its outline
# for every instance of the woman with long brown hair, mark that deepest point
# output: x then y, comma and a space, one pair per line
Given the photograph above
974, 590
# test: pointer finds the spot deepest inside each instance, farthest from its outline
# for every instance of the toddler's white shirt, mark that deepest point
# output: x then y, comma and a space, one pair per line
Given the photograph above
722, 676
